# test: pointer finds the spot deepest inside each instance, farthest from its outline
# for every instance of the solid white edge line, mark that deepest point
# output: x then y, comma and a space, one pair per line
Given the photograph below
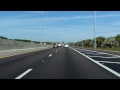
42, 60
23, 74
110, 70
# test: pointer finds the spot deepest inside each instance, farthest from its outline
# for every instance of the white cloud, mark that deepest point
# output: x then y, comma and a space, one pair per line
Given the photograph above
27, 19
33, 26
19, 22
80, 17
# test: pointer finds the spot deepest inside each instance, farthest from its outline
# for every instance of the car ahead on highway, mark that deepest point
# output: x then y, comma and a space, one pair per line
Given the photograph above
59, 44
55, 46
66, 45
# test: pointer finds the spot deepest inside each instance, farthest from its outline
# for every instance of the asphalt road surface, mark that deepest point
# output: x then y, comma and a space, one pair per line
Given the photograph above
60, 63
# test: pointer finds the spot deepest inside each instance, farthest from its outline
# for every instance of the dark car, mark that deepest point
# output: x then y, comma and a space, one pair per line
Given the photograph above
55, 46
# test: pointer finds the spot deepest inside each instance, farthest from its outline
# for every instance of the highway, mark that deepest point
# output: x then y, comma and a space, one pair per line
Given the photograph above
61, 63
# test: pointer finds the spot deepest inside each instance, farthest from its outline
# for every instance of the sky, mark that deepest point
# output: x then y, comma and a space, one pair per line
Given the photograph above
58, 26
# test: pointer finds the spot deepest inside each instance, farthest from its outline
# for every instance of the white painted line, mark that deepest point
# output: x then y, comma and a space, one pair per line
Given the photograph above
109, 62
60, 48
23, 74
50, 55
56, 50
87, 53
94, 56
111, 51
102, 56
97, 54
110, 70
107, 50
93, 53
103, 53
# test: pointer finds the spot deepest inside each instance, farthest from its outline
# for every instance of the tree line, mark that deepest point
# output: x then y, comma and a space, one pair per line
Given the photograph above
101, 41
24, 40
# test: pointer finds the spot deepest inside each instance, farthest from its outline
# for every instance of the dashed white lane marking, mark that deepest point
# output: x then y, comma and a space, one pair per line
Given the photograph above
60, 48
50, 55
56, 50
109, 62
42, 60
105, 67
102, 56
23, 74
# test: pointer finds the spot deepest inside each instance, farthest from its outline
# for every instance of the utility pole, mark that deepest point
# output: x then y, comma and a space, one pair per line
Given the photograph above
41, 25
53, 38
82, 43
95, 29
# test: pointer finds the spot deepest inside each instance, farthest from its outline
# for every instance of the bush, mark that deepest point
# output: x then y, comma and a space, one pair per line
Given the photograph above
3, 37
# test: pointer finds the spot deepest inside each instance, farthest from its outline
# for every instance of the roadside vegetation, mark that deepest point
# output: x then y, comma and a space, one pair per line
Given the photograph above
23, 40
1, 37
110, 43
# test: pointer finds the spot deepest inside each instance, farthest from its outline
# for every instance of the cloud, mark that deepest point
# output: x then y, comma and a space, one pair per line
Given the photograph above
31, 26
26, 19
108, 15
80, 17
18, 22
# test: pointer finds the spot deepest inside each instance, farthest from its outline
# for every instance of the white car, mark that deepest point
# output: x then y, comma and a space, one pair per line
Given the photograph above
59, 45
66, 45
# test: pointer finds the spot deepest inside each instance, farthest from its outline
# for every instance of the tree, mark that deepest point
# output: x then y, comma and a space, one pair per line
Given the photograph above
99, 41
110, 42
118, 38
23, 40
3, 37
36, 42
87, 42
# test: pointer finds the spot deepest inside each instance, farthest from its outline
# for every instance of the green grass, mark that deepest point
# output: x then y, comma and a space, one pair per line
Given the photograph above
100, 48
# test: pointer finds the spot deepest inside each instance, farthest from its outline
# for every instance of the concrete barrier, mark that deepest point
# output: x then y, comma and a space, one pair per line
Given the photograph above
12, 44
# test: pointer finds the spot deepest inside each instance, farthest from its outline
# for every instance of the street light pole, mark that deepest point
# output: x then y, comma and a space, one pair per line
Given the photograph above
82, 43
41, 25
95, 29
53, 38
